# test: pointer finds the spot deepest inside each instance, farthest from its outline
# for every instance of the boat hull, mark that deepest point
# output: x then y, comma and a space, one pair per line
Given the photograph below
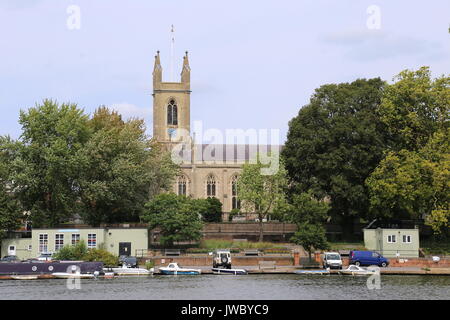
312, 272
229, 271
179, 272
65, 275
40, 268
131, 272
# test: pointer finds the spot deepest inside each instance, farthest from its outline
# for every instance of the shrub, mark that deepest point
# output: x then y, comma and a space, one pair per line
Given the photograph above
101, 255
149, 264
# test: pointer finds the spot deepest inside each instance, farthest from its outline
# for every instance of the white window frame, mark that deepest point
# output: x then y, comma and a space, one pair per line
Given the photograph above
90, 246
74, 240
407, 237
41, 242
59, 241
391, 238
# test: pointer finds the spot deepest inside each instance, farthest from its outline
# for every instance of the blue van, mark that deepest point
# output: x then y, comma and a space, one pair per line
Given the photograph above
367, 258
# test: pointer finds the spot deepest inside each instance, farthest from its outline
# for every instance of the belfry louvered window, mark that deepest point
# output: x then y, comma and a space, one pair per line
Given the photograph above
172, 113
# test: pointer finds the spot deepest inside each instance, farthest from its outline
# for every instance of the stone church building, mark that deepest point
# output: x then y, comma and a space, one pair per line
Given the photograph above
208, 170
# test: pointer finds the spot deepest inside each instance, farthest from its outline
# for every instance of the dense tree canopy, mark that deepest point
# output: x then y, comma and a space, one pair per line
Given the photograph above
122, 169
334, 143
177, 217
47, 165
413, 180
66, 163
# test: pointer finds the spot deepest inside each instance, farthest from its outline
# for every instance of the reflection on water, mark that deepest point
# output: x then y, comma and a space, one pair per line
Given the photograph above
264, 287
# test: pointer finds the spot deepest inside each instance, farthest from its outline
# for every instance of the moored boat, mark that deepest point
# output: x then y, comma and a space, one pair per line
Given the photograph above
174, 269
357, 271
67, 275
313, 272
25, 277
127, 271
229, 271
47, 268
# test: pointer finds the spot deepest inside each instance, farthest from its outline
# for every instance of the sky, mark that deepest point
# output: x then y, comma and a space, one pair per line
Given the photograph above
254, 64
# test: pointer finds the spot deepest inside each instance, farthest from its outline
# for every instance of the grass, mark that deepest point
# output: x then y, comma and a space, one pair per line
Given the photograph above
223, 244
336, 246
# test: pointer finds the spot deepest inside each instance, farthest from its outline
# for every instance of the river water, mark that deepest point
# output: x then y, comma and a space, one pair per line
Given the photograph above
228, 287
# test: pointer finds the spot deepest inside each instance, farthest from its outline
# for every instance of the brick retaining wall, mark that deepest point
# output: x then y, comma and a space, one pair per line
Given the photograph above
207, 260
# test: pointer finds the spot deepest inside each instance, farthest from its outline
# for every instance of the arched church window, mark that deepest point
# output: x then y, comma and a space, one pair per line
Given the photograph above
172, 113
182, 186
235, 202
210, 186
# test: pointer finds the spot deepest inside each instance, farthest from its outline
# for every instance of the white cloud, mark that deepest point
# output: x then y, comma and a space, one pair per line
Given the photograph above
128, 110
365, 44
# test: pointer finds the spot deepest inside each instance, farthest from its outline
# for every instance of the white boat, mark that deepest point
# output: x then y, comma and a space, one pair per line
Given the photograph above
314, 272
356, 271
66, 275
174, 269
127, 271
229, 271
25, 277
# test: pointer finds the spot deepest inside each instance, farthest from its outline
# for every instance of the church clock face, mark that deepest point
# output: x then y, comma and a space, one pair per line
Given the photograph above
172, 132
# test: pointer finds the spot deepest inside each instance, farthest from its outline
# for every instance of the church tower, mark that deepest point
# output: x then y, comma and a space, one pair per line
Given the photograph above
171, 105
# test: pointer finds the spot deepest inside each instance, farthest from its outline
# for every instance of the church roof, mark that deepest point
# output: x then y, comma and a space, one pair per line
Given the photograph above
230, 153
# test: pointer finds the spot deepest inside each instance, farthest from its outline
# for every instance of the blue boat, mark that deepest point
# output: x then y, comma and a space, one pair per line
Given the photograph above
174, 269
229, 271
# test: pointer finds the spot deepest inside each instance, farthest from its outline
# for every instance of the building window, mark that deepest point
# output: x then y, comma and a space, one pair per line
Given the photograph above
172, 113
43, 242
59, 241
235, 202
391, 238
92, 240
182, 186
210, 186
75, 238
406, 238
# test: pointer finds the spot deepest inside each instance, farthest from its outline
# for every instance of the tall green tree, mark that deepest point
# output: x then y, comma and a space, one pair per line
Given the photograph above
333, 145
47, 165
414, 107
122, 169
177, 217
415, 184
11, 213
412, 181
309, 214
262, 189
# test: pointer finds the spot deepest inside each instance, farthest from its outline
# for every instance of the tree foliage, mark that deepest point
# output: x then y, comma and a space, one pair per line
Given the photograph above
412, 181
260, 192
66, 164
47, 165
177, 217
210, 209
122, 169
415, 107
334, 143
309, 214
82, 253
11, 213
